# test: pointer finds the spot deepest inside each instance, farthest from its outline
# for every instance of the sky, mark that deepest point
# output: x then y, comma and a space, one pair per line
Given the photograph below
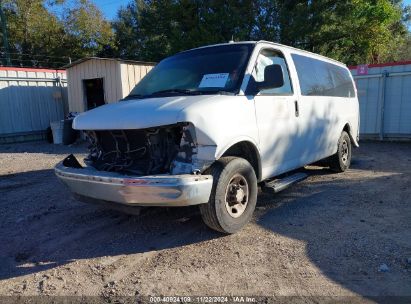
408, 2
110, 7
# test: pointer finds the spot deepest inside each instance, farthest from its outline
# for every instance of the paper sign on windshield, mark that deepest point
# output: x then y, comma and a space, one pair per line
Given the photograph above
214, 80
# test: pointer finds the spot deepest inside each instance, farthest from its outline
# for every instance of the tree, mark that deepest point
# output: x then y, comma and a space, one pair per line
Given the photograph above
87, 33
37, 37
403, 51
33, 31
151, 30
267, 21
127, 32
353, 31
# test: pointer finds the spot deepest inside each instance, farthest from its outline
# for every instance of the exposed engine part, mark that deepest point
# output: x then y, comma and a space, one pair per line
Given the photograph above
140, 152
187, 146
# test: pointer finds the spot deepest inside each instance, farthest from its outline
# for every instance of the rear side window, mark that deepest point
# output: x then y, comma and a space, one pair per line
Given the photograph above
320, 78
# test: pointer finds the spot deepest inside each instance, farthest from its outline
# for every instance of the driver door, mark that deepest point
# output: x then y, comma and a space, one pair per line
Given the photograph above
277, 118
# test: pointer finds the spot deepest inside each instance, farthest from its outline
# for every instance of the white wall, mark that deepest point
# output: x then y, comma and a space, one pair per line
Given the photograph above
385, 100
119, 79
30, 99
131, 74
109, 70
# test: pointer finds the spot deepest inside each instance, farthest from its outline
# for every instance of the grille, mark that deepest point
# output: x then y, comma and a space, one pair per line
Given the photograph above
140, 152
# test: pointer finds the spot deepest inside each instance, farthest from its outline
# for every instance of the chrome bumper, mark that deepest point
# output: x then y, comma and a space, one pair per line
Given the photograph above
159, 190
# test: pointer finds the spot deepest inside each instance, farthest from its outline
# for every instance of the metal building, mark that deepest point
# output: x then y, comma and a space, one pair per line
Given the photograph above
94, 81
384, 92
29, 100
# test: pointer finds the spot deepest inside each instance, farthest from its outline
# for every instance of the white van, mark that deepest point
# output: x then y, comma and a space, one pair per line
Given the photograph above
208, 125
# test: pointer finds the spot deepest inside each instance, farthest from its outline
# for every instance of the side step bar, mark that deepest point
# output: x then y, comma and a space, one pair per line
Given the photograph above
277, 185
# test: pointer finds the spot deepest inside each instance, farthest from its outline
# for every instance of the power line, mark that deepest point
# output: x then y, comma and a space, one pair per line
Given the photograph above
27, 62
33, 60
36, 61
34, 67
38, 55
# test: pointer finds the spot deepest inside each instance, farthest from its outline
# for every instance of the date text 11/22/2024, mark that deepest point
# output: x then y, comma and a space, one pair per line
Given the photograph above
202, 299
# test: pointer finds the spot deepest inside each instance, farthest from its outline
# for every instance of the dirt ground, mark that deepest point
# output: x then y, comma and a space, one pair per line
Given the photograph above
332, 235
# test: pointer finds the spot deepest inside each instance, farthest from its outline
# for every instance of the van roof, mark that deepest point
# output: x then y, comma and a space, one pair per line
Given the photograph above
276, 44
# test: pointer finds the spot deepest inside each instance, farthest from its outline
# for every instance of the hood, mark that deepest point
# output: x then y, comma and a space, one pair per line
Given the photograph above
137, 113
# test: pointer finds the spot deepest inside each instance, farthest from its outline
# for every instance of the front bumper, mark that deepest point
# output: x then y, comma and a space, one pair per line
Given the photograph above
159, 190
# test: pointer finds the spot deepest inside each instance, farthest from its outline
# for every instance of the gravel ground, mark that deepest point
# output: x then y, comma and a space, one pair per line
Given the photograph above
332, 235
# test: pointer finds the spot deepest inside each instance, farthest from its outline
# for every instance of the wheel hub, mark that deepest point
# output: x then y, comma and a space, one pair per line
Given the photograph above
344, 152
236, 197
240, 195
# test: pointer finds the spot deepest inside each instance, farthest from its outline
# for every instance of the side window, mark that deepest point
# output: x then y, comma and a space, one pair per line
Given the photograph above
321, 78
343, 85
269, 57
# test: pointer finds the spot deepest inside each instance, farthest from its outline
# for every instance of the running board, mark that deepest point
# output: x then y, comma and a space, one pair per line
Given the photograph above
277, 185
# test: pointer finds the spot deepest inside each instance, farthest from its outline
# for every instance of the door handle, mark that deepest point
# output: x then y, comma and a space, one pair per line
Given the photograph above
297, 110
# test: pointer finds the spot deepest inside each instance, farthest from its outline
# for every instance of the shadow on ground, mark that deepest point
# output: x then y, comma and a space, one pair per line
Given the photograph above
55, 229
351, 224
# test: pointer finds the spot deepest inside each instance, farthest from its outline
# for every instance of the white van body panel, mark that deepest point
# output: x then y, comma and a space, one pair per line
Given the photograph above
287, 142
283, 141
277, 125
136, 113
220, 121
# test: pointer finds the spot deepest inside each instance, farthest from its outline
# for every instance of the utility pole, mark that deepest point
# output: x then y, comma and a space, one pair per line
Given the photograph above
4, 30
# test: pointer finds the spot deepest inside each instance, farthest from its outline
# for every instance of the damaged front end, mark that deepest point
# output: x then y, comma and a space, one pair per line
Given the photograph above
146, 167
160, 150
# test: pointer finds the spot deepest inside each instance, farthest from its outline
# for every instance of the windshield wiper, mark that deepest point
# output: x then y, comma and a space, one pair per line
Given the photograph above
192, 92
133, 96
173, 91
217, 92
178, 91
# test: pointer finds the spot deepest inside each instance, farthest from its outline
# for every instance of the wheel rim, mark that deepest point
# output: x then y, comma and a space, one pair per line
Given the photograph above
344, 152
236, 196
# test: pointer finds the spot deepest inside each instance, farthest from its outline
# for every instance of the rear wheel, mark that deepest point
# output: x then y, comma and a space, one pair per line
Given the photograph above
233, 196
341, 160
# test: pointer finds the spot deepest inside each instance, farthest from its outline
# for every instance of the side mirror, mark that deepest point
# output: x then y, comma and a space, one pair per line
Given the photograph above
273, 78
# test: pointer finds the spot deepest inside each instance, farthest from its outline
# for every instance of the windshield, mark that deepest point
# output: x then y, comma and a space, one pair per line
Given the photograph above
206, 70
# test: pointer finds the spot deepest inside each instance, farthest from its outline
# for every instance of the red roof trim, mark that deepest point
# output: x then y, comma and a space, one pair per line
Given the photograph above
31, 70
380, 65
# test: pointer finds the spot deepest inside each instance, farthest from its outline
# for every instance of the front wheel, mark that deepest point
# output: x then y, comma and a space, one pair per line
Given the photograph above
341, 160
233, 196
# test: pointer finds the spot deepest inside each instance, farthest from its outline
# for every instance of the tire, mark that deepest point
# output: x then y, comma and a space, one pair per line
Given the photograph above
233, 195
340, 161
